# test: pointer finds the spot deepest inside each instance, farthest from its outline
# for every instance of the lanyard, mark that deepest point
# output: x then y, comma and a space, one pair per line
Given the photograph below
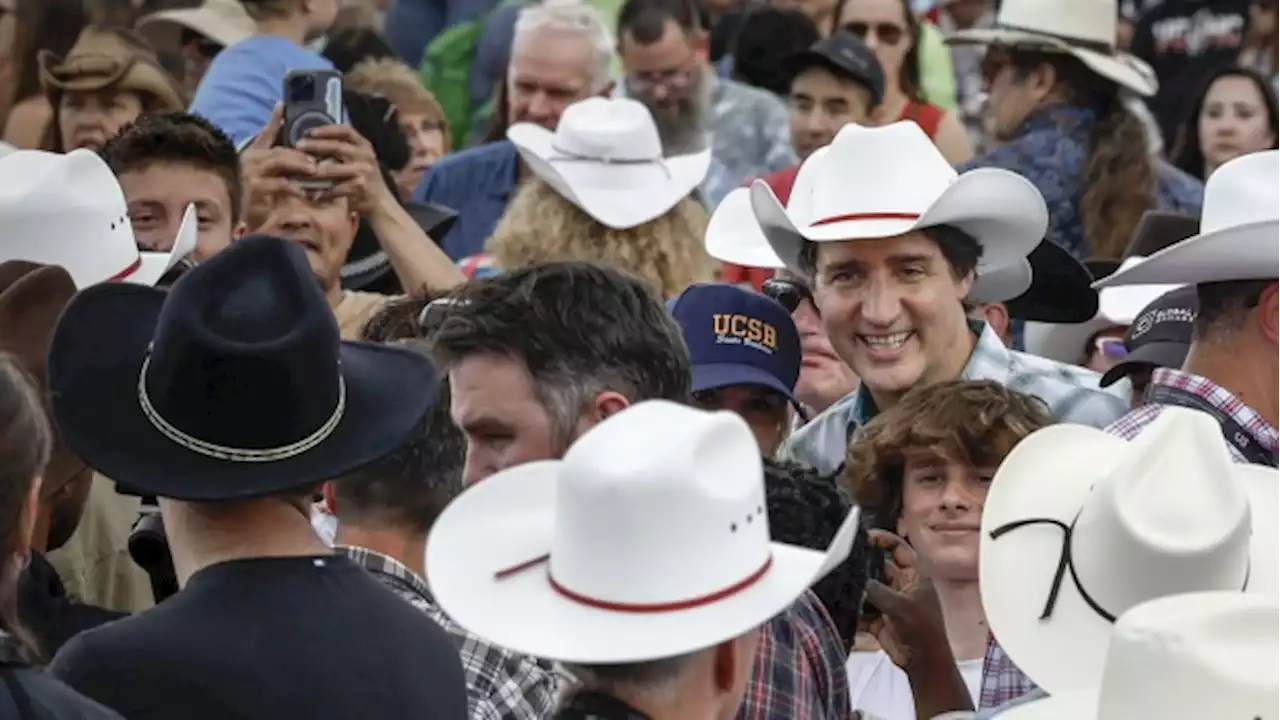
1231, 429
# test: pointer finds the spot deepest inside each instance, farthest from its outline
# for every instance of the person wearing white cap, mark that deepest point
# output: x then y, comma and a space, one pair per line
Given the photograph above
894, 238
1059, 106
198, 34
642, 561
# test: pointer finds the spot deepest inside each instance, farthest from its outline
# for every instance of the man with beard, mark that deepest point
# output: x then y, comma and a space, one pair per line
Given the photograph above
664, 52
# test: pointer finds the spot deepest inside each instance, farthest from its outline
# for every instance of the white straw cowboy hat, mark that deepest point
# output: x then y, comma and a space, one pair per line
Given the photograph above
68, 209
1117, 307
605, 157
1183, 657
1239, 224
648, 540
225, 22
881, 182
1085, 29
1080, 526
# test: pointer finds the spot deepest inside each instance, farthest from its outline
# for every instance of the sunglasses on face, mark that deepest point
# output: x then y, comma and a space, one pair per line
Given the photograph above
788, 293
207, 48
886, 33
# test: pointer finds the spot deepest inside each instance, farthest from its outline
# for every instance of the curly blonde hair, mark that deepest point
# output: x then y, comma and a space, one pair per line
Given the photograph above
977, 422
542, 226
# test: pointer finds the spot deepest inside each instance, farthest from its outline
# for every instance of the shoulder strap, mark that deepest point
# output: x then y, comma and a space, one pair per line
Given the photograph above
21, 700
925, 115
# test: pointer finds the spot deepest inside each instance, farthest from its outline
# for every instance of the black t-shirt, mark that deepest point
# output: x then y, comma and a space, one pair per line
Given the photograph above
276, 639
1184, 40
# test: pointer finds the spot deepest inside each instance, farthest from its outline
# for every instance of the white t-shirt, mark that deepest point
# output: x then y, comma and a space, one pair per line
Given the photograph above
880, 688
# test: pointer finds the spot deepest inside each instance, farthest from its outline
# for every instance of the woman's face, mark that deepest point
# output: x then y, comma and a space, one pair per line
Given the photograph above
426, 147
1233, 121
90, 119
882, 25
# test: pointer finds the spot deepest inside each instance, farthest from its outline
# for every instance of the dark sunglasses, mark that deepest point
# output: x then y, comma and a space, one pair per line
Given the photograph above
886, 33
207, 48
788, 293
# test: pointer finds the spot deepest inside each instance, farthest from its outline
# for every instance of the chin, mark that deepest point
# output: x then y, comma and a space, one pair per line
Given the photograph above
896, 379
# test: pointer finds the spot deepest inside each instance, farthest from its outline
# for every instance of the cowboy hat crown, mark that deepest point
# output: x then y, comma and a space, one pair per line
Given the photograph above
69, 210
1239, 221
1182, 657
605, 157
882, 182
649, 539
232, 384
1087, 23
1066, 550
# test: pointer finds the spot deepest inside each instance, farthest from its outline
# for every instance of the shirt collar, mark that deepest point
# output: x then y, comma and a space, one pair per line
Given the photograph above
1221, 400
1063, 119
989, 361
375, 562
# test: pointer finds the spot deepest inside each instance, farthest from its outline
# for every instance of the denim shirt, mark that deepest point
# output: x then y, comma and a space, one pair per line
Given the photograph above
477, 183
1050, 150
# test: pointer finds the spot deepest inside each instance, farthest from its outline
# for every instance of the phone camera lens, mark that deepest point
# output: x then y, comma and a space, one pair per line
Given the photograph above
302, 88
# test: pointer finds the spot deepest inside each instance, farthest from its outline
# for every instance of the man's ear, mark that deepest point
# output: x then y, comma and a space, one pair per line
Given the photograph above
241, 229
609, 403
330, 498
1267, 312
997, 316
607, 90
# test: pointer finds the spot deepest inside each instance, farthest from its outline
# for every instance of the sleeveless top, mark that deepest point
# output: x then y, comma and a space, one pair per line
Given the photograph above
926, 115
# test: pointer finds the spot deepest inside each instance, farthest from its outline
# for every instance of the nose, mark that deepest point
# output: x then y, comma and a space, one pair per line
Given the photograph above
881, 304
479, 466
541, 109
293, 216
956, 494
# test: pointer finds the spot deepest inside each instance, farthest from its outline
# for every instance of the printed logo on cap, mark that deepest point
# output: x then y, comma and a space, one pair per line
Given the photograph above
736, 329
1160, 317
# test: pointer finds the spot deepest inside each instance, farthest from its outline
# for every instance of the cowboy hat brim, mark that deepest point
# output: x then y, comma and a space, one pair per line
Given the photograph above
152, 266
639, 193
1117, 307
163, 29
734, 236
1043, 478
510, 518
1242, 252
1002, 210
1060, 290
1120, 68
1002, 284
95, 364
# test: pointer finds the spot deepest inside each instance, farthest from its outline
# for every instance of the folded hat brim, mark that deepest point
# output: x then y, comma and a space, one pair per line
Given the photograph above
152, 266
638, 193
1152, 354
95, 362
1060, 290
1242, 252
734, 236
1002, 210
509, 519
1044, 478
1118, 67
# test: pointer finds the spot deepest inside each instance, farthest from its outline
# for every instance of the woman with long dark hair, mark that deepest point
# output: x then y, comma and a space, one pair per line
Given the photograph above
38, 25
26, 440
1234, 114
892, 32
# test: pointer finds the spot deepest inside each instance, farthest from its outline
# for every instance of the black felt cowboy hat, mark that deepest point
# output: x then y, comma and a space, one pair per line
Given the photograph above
1060, 289
234, 384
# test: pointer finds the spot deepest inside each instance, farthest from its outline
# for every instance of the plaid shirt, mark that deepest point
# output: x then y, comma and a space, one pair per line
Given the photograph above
799, 671
1071, 392
500, 683
1001, 679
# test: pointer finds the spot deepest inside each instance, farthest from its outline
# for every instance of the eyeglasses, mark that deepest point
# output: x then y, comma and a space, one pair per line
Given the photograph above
788, 293
1109, 347
886, 33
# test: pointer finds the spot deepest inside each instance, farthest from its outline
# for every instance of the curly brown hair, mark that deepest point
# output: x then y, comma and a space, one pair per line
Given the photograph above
976, 422
1119, 172
540, 226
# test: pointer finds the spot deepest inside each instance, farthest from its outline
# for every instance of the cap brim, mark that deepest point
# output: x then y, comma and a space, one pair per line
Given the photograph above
718, 375
1157, 354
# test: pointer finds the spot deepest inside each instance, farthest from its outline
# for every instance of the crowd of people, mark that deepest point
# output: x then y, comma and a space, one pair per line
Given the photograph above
639, 359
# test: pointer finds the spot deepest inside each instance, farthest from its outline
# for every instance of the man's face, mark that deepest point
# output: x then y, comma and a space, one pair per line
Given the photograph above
666, 75
821, 103
765, 410
892, 309
1010, 98
549, 71
321, 222
159, 193
495, 404
942, 501
198, 52
824, 377
90, 119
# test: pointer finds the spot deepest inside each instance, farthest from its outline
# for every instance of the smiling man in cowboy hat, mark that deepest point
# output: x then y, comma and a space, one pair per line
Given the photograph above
231, 398
646, 555
893, 239
1056, 104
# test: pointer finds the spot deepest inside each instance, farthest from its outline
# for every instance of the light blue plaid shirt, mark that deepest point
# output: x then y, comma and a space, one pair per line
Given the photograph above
1071, 392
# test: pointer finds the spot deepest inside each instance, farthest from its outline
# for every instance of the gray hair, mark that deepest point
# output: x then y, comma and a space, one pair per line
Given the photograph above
572, 16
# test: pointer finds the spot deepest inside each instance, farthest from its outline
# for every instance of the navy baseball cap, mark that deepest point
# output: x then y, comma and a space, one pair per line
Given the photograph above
847, 57
738, 337
1161, 336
